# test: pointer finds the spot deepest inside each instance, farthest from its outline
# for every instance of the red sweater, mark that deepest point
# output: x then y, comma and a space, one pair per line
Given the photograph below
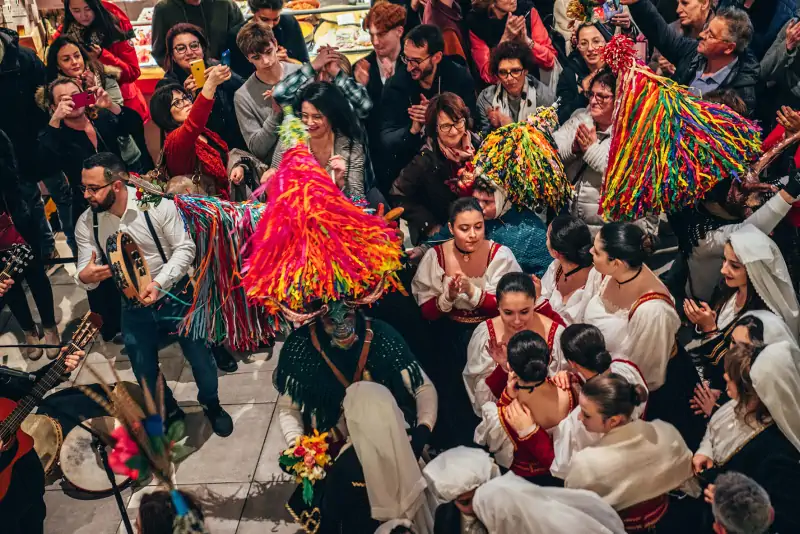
774, 137
183, 147
123, 56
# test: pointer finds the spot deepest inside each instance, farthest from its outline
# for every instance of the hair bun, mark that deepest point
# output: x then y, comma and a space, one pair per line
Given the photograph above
638, 394
648, 243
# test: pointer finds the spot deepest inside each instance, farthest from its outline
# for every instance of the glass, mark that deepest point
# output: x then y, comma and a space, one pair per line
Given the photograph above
510, 73
600, 98
414, 62
594, 44
448, 128
93, 190
182, 48
706, 34
186, 100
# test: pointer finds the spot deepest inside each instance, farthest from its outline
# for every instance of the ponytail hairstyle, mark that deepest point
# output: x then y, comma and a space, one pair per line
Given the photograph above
461, 205
738, 362
585, 345
529, 356
515, 283
614, 395
570, 237
627, 242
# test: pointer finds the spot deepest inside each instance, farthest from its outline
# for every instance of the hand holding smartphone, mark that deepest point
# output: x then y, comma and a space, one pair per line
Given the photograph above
82, 100
225, 59
198, 68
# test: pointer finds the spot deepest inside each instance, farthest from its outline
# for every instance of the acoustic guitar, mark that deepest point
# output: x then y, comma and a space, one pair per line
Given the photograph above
15, 260
17, 443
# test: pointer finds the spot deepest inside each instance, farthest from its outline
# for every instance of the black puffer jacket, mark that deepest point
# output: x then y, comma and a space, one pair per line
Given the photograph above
682, 52
21, 73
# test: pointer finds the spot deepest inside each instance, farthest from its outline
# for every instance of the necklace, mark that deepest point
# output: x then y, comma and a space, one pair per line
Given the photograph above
573, 271
464, 254
632, 278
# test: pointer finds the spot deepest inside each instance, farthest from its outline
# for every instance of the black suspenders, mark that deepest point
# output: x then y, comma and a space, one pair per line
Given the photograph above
96, 229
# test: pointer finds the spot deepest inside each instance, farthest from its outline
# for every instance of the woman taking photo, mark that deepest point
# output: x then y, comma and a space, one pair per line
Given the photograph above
105, 31
334, 136
579, 69
755, 277
186, 43
455, 285
637, 317
190, 146
427, 186
757, 432
518, 92
485, 374
621, 465
569, 242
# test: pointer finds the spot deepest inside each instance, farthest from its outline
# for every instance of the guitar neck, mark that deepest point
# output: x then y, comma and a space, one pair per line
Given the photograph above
11, 424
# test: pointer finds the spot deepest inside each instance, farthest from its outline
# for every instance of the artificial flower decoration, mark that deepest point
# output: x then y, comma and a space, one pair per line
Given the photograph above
307, 461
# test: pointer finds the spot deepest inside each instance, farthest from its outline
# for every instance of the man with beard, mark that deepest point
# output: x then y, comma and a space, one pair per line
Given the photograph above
405, 96
73, 134
168, 252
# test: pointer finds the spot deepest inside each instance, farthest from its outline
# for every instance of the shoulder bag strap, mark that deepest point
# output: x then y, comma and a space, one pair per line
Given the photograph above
155, 236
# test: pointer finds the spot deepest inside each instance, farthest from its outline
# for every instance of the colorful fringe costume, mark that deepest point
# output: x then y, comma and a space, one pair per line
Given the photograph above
313, 243
669, 147
522, 159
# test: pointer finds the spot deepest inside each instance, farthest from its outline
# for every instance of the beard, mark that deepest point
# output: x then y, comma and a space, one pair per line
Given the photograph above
106, 204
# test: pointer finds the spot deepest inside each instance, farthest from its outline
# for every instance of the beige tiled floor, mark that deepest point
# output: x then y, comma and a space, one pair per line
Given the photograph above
236, 478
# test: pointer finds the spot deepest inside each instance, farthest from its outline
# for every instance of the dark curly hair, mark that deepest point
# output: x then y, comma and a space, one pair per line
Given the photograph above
512, 50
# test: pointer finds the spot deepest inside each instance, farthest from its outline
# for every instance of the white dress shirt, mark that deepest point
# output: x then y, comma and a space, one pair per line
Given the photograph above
178, 246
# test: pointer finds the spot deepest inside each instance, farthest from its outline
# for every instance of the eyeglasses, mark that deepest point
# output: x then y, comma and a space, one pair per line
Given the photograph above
594, 44
182, 48
510, 73
602, 99
181, 102
448, 128
414, 62
94, 190
707, 35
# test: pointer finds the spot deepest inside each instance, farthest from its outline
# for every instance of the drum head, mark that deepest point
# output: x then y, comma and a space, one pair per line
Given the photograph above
80, 461
47, 438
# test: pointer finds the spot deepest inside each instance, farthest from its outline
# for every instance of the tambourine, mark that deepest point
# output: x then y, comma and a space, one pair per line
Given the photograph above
128, 267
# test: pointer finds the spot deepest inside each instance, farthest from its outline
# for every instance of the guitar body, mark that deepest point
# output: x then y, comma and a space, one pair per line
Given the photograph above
25, 445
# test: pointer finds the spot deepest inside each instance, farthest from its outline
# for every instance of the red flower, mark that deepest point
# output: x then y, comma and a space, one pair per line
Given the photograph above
125, 448
299, 451
139, 194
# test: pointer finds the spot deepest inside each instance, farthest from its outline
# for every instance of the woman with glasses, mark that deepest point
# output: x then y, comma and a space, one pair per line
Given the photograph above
583, 63
518, 92
335, 136
105, 31
583, 143
186, 43
515, 427
427, 186
486, 372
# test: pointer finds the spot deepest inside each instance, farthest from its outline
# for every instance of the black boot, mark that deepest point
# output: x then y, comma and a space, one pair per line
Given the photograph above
224, 359
221, 422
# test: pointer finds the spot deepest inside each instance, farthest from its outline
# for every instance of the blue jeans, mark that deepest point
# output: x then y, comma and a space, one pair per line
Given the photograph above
143, 327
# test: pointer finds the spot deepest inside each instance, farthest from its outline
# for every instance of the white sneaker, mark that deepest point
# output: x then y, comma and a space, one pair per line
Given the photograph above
51, 337
32, 338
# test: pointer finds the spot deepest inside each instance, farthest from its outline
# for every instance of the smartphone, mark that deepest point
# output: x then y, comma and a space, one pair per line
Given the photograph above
198, 68
225, 59
81, 100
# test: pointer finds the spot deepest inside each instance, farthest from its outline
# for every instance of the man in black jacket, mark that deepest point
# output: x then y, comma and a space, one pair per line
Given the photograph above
720, 59
405, 96
286, 29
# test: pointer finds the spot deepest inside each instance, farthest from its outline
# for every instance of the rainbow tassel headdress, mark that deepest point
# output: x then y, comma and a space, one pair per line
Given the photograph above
669, 147
312, 243
522, 159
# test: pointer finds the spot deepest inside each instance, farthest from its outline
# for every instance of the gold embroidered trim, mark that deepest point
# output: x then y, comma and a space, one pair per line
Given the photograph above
309, 524
740, 447
359, 484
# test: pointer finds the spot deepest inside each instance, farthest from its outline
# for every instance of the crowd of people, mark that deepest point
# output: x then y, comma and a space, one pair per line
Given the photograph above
535, 343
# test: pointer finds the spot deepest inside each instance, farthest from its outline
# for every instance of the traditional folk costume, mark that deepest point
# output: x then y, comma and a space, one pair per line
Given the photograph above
512, 505
315, 249
768, 453
571, 436
645, 335
452, 474
632, 468
768, 274
484, 379
572, 307
456, 322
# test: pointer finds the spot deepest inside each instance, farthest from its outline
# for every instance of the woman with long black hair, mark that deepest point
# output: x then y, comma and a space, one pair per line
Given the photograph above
105, 31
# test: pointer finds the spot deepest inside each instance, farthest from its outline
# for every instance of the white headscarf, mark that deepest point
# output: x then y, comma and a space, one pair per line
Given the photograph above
395, 486
776, 379
512, 505
775, 330
457, 471
768, 273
